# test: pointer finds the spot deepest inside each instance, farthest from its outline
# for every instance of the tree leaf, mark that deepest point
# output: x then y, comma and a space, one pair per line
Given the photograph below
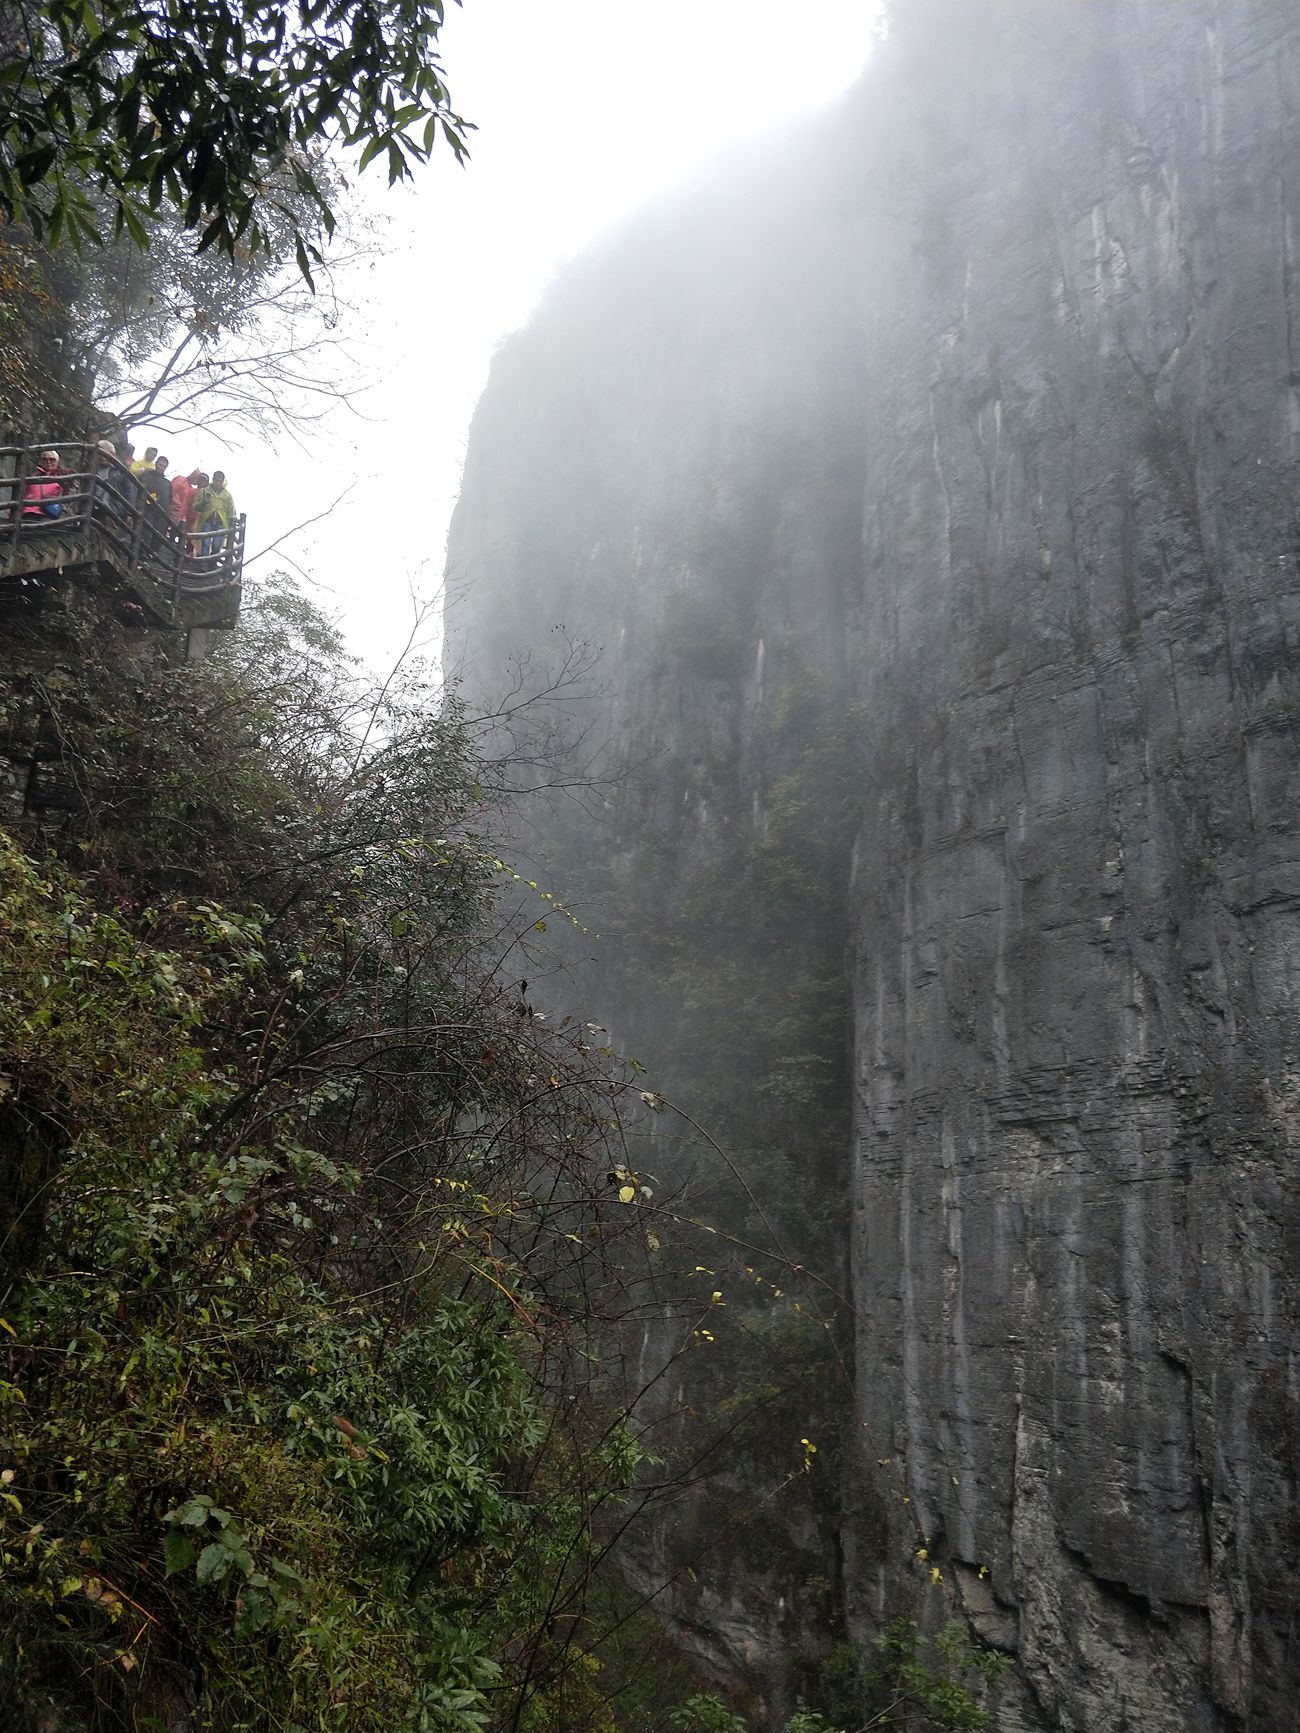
214, 1562
178, 1551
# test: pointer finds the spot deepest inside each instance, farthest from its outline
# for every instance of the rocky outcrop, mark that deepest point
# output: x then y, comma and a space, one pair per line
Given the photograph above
983, 402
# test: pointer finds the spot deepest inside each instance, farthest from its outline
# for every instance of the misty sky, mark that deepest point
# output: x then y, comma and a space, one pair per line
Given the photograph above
585, 109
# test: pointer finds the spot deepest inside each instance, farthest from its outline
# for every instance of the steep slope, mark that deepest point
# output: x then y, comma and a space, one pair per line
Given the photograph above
977, 408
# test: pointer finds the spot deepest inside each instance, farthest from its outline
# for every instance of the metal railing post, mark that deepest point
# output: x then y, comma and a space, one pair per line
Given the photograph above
137, 528
177, 563
86, 505
97, 497
22, 479
235, 564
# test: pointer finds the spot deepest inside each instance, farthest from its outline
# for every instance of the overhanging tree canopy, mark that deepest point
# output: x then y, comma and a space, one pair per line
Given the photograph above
199, 105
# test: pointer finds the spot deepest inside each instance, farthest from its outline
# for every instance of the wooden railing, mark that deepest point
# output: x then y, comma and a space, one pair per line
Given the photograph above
100, 493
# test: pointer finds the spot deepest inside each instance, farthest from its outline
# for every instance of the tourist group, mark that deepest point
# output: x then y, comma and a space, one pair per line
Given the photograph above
196, 506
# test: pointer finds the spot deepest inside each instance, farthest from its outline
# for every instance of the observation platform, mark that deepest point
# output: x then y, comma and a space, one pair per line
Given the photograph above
110, 531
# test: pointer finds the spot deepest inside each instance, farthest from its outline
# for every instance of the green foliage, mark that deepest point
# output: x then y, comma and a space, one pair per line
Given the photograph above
305, 1221
834, 1685
168, 1346
705, 1713
935, 1685
910, 1684
125, 108
641, 1668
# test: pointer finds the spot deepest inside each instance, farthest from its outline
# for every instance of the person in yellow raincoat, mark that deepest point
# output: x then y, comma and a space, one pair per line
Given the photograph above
214, 513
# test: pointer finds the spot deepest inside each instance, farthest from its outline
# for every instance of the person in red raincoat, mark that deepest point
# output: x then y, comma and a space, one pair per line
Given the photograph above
183, 491
43, 490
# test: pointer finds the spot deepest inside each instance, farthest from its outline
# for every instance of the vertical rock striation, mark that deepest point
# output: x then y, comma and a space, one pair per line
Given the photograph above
983, 400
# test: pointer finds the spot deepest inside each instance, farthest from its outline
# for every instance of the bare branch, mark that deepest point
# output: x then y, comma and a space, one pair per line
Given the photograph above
305, 524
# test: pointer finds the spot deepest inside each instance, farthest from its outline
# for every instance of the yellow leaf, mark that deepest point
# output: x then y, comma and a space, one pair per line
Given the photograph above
626, 1193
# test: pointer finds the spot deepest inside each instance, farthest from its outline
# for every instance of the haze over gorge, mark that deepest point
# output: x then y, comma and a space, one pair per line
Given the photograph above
928, 479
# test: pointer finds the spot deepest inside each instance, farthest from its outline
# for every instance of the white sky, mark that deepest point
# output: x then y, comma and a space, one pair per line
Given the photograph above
585, 109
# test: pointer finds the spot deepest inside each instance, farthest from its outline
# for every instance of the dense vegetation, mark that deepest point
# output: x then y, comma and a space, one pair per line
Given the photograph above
308, 1223
321, 1246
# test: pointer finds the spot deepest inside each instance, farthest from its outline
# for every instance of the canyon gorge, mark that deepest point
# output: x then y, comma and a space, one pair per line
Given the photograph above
920, 491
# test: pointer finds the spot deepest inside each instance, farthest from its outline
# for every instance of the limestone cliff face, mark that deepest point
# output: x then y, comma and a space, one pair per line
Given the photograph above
983, 401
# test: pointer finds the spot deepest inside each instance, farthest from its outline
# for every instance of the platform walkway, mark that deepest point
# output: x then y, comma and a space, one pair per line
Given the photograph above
108, 528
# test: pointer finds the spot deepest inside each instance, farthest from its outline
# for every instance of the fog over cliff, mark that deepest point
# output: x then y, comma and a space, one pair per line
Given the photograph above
929, 480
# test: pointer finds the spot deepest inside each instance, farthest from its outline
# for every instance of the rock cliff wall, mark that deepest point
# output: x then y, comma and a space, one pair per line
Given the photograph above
979, 403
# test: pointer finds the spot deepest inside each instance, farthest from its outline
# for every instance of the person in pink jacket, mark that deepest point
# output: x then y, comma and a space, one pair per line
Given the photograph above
44, 489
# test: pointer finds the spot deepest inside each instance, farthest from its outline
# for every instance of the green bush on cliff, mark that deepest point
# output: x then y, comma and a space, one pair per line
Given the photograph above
908, 1685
